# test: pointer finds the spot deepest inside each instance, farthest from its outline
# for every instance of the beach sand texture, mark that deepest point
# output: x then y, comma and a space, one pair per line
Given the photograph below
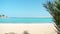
31, 28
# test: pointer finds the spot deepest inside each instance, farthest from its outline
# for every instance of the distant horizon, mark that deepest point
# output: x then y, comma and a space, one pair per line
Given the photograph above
30, 17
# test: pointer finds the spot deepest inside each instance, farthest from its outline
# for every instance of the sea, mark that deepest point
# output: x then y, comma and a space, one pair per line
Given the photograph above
26, 20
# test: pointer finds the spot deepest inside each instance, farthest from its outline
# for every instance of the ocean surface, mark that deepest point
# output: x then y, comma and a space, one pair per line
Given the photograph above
26, 20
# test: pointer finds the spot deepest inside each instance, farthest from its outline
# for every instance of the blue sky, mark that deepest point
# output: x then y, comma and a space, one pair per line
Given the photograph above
23, 8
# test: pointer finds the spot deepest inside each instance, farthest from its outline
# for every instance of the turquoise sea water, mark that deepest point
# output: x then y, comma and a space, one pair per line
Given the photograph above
26, 20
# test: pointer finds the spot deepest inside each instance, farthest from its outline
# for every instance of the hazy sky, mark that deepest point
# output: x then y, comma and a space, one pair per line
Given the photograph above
23, 8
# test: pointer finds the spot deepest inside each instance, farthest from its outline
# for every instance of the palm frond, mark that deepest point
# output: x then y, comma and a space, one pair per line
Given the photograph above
54, 10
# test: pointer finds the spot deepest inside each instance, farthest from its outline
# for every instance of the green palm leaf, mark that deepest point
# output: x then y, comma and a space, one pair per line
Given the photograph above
54, 10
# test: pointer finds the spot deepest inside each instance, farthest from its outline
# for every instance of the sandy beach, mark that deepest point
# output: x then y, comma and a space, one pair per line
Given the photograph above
42, 28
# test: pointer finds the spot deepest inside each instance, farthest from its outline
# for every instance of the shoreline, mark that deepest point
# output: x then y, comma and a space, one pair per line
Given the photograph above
29, 23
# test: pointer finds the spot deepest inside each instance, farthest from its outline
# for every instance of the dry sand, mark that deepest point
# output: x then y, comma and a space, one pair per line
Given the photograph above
42, 28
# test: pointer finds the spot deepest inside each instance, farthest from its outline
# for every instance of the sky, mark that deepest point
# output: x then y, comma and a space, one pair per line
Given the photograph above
23, 8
